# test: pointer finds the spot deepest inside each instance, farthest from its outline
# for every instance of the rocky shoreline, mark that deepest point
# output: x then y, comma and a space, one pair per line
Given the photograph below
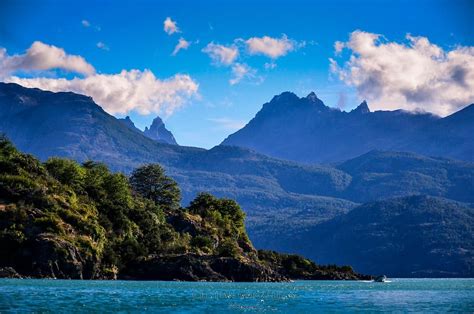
194, 268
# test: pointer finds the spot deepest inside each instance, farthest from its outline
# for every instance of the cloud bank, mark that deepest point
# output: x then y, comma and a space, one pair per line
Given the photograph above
42, 57
417, 75
119, 93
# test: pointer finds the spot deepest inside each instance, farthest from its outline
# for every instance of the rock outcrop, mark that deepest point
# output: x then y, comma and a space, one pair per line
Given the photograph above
193, 267
9, 272
159, 132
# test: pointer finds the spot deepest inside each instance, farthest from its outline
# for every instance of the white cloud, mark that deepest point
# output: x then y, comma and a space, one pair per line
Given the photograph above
103, 46
42, 57
170, 26
416, 75
271, 47
182, 44
116, 93
85, 23
121, 93
220, 54
241, 71
338, 47
228, 124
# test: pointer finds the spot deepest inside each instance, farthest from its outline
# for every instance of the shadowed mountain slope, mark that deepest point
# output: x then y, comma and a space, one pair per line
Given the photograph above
306, 130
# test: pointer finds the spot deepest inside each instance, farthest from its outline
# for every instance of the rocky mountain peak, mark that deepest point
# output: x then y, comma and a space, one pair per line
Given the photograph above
312, 97
158, 132
363, 108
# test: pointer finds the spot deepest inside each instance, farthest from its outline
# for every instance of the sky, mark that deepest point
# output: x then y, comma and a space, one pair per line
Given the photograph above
207, 67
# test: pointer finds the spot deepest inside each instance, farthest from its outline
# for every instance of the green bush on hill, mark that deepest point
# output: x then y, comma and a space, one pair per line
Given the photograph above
104, 220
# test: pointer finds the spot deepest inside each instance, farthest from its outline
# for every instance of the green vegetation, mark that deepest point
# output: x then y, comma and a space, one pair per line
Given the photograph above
298, 267
60, 218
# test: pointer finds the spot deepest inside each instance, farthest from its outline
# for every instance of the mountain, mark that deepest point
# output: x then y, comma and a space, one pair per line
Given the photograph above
416, 236
378, 175
282, 199
306, 130
72, 125
63, 220
157, 130
69, 125
159, 133
129, 123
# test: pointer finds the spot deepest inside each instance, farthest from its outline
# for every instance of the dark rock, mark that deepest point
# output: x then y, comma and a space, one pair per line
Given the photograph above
183, 225
192, 267
58, 258
9, 272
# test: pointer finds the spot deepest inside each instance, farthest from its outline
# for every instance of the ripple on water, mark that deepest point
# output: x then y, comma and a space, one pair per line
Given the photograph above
417, 295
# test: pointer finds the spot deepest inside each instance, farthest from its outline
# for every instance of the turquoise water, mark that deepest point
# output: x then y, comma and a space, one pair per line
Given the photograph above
400, 295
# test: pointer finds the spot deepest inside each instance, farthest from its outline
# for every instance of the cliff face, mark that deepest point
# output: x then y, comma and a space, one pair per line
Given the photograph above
159, 132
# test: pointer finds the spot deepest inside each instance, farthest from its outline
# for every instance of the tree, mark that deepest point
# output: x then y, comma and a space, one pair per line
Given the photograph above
67, 172
151, 182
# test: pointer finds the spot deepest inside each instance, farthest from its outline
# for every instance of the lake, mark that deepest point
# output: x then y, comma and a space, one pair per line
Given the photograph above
418, 295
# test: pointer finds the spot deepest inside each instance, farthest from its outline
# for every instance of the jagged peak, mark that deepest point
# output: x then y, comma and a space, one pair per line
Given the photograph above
128, 118
312, 96
157, 122
363, 108
128, 122
158, 131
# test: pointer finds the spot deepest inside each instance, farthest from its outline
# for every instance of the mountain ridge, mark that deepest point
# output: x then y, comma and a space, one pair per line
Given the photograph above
275, 193
306, 130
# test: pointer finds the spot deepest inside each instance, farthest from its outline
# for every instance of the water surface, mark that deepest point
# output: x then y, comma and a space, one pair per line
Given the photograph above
62, 296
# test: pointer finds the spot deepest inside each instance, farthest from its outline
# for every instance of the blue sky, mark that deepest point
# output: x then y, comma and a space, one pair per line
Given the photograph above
133, 37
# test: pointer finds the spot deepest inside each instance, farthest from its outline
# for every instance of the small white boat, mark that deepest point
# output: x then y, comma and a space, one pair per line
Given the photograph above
382, 278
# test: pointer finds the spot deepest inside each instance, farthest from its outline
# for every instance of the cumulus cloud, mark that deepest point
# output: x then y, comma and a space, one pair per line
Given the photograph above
121, 93
103, 46
220, 54
271, 47
170, 26
42, 57
241, 71
85, 23
182, 44
416, 75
